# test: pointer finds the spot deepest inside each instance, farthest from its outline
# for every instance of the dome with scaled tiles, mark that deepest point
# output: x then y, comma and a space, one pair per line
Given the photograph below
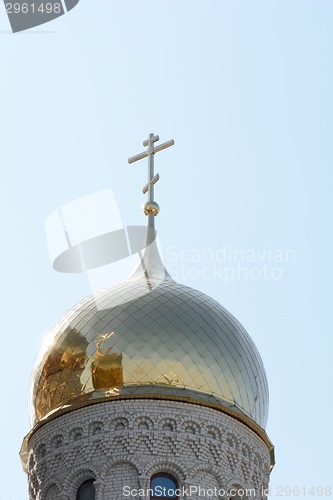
149, 337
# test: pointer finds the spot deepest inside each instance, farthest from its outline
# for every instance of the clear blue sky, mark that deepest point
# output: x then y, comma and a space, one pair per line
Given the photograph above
245, 90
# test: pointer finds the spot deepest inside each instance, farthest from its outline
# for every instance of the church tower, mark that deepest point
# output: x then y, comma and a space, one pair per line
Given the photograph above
149, 389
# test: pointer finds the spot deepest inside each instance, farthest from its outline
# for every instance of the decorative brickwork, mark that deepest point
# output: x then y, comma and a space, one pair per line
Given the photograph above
124, 443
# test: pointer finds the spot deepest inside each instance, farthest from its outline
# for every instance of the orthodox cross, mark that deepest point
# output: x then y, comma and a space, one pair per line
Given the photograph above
151, 208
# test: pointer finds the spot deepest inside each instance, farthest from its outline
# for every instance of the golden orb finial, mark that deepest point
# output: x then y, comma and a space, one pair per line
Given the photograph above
151, 208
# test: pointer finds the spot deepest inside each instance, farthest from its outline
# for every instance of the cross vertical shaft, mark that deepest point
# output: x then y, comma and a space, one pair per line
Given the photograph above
151, 208
150, 184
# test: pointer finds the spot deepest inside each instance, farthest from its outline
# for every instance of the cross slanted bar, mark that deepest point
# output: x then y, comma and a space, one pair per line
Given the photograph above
151, 208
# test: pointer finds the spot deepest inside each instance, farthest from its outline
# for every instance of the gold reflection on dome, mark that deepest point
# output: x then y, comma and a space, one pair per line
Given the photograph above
102, 339
60, 376
106, 369
170, 339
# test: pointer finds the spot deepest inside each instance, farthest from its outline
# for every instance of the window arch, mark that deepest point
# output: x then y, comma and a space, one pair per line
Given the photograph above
163, 487
86, 491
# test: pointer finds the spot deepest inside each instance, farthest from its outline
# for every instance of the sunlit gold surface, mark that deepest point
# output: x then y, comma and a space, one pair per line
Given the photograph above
172, 339
151, 208
107, 370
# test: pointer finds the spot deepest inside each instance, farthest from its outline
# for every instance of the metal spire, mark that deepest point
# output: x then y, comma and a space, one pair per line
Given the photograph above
151, 208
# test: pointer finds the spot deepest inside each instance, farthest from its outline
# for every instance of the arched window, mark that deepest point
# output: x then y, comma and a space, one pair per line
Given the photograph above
86, 491
163, 487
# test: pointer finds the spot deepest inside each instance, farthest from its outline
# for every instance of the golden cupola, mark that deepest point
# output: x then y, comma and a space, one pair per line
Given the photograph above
149, 337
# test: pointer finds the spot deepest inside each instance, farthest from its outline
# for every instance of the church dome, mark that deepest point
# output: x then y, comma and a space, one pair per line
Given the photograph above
149, 339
